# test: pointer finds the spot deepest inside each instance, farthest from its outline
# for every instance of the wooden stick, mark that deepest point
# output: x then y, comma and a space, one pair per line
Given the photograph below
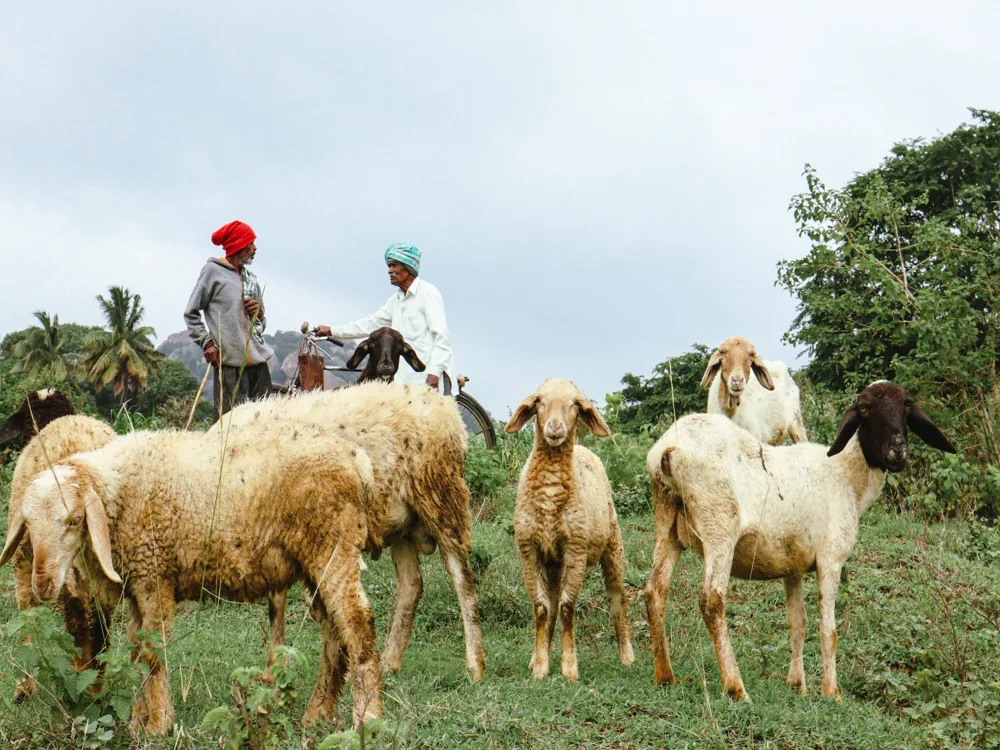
197, 397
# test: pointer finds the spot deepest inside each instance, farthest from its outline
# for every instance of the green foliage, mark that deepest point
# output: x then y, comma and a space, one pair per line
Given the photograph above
259, 714
485, 471
124, 421
124, 355
902, 283
624, 459
674, 388
93, 708
375, 735
42, 351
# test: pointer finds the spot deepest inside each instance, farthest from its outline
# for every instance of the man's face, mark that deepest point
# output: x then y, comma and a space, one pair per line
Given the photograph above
245, 256
398, 273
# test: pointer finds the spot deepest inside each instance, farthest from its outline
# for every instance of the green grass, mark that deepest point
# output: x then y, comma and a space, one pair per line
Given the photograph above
892, 627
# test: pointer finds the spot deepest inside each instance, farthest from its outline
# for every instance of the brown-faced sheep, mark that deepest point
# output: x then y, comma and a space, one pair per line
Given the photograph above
417, 444
564, 521
38, 409
760, 512
85, 609
768, 407
178, 515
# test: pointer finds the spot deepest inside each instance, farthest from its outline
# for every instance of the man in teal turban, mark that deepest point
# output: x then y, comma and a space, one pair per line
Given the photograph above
416, 310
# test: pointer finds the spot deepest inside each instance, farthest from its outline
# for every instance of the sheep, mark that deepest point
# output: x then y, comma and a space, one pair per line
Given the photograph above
761, 512
179, 515
383, 347
769, 408
86, 622
38, 409
565, 521
417, 443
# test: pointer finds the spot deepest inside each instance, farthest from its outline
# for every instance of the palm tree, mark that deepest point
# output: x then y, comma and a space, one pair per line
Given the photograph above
124, 354
41, 351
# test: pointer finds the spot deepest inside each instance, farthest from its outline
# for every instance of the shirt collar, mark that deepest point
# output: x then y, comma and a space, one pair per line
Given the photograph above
412, 290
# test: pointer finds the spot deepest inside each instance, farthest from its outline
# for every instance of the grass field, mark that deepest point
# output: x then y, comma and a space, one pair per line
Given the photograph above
918, 642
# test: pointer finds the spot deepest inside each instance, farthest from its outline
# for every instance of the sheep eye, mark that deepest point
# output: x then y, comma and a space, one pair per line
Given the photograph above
74, 522
864, 411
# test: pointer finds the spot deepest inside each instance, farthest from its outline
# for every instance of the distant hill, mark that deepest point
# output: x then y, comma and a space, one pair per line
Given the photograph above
180, 347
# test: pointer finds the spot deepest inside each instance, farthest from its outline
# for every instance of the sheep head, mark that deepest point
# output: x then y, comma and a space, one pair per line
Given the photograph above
61, 510
733, 361
384, 347
38, 408
557, 404
880, 416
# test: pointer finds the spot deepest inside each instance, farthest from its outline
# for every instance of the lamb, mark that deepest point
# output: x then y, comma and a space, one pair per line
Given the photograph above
760, 512
38, 409
565, 521
86, 622
417, 443
284, 502
769, 408
384, 347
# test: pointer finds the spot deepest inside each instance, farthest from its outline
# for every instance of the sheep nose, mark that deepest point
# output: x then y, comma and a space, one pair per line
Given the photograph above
556, 430
897, 454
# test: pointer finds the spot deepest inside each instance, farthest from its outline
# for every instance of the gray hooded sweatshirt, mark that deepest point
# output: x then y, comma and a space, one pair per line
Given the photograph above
219, 294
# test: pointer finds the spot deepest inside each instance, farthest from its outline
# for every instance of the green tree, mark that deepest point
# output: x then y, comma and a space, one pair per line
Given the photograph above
41, 352
902, 280
124, 355
673, 388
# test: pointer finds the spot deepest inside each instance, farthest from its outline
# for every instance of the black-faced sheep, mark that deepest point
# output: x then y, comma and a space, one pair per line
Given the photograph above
38, 409
383, 348
760, 512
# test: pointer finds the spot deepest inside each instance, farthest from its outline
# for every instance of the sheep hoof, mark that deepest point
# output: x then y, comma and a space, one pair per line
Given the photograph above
571, 671
737, 692
798, 683
627, 655
539, 669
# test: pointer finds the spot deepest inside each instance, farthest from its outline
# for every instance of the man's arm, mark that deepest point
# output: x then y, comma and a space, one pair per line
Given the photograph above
441, 351
360, 328
200, 297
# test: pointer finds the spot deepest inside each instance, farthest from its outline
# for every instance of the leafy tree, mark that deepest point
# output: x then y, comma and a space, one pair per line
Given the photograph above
902, 281
123, 355
673, 388
41, 351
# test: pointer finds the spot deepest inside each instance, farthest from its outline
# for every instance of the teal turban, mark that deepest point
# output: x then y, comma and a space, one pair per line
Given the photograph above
408, 255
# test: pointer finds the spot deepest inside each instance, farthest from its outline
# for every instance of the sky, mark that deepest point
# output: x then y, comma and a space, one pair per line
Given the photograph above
594, 186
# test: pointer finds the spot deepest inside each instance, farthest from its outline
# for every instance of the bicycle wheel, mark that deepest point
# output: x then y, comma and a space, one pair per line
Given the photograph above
477, 419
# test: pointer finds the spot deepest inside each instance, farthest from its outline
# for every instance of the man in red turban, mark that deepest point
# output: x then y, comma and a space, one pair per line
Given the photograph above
231, 335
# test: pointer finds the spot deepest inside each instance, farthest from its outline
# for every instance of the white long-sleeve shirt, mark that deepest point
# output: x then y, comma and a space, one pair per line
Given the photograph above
419, 316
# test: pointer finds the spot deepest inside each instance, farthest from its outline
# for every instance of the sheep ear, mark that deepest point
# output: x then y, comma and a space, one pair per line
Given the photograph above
921, 424
14, 535
525, 411
100, 536
592, 418
10, 430
848, 426
714, 365
359, 354
412, 359
762, 373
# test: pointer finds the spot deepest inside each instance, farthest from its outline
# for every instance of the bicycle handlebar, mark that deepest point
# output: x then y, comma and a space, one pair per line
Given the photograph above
310, 335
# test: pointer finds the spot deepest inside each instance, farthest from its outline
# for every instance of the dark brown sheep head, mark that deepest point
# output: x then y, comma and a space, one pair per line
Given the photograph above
46, 405
384, 347
880, 416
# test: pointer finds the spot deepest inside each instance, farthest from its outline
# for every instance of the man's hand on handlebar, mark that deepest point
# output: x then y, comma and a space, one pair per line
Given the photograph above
322, 331
432, 381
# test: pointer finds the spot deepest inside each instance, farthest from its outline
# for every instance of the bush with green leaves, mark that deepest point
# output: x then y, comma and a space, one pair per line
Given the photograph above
377, 734
86, 708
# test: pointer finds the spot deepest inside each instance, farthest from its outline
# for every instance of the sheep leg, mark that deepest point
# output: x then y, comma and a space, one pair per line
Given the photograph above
797, 428
666, 551
155, 607
409, 589
712, 601
795, 611
276, 603
344, 598
613, 567
457, 563
537, 582
21, 565
828, 577
330, 676
573, 572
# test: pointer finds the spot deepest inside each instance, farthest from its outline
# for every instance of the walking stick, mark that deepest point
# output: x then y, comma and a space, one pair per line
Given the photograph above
197, 397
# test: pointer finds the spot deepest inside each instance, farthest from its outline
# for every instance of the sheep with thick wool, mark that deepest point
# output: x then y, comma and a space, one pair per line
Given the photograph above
565, 521
173, 516
417, 443
86, 609
766, 405
762, 512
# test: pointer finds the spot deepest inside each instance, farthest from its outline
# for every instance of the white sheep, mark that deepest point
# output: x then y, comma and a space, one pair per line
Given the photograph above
184, 515
761, 512
564, 521
86, 610
768, 407
417, 444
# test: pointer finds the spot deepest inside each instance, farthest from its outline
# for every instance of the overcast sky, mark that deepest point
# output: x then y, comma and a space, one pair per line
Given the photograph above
594, 186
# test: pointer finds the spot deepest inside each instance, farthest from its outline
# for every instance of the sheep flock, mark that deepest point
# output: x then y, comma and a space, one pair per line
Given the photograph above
296, 488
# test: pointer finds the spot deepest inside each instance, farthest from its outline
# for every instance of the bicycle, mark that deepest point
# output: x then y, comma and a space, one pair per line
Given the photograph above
311, 367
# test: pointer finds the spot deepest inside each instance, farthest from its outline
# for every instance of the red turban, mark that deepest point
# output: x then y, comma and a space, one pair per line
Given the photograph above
233, 237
